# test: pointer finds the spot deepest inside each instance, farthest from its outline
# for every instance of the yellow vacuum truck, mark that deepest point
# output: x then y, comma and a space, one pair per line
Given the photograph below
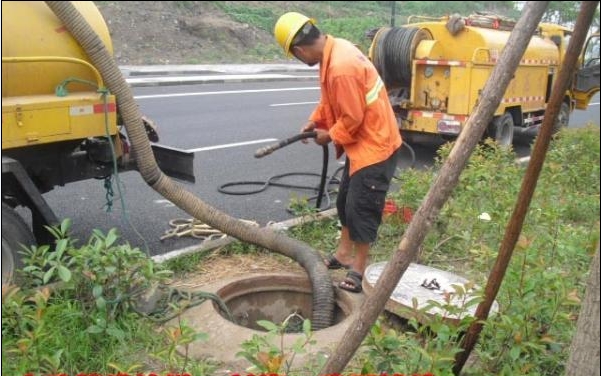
435, 70
59, 124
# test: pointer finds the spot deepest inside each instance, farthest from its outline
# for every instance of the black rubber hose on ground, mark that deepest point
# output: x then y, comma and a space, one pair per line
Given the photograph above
307, 257
260, 153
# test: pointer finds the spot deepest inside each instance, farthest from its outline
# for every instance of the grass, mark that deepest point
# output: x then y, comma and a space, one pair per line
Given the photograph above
348, 20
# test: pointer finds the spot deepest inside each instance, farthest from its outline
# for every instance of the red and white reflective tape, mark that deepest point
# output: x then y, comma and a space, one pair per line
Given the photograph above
92, 109
523, 99
457, 63
539, 62
441, 62
438, 115
99, 108
532, 62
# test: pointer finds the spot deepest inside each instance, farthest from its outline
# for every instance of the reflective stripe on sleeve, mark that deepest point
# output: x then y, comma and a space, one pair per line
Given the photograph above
372, 95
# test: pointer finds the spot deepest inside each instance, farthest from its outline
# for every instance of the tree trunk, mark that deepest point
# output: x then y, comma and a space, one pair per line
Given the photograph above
441, 188
584, 352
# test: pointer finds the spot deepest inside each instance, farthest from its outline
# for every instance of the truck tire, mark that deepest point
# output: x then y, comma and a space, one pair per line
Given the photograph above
563, 118
15, 233
501, 130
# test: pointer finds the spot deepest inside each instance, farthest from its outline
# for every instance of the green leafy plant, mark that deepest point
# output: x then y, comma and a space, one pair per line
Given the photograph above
267, 353
87, 319
182, 336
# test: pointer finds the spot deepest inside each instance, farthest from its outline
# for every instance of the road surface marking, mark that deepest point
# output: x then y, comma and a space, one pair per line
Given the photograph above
291, 104
224, 146
223, 92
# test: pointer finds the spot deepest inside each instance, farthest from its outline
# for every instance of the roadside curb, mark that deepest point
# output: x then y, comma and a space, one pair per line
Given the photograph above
179, 70
215, 79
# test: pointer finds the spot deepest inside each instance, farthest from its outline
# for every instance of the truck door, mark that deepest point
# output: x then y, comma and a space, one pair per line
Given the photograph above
587, 77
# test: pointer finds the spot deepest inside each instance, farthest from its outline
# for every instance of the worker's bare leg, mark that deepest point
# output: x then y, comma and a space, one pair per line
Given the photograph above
344, 252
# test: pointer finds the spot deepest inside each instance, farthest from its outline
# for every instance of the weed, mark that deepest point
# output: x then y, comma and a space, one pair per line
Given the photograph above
268, 354
86, 319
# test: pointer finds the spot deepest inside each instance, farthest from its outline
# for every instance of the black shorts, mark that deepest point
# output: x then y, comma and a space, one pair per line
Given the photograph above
361, 198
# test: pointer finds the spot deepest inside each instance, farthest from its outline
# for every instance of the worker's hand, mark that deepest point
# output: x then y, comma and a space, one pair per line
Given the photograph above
323, 137
307, 128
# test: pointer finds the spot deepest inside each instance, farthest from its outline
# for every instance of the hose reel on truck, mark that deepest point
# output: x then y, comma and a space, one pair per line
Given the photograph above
393, 53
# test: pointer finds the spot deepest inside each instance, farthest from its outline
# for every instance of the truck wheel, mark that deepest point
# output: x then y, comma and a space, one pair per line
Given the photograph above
563, 118
501, 130
14, 233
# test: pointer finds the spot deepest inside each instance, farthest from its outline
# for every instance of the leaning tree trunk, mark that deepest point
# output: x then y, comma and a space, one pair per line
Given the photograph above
441, 188
516, 221
584, 352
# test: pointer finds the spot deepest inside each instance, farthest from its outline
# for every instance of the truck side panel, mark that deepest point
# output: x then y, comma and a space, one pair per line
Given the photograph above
34, 120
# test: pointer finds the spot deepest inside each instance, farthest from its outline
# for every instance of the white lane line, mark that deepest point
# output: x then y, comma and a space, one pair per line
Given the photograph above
224, 146
174, 95
594, 104
291, 104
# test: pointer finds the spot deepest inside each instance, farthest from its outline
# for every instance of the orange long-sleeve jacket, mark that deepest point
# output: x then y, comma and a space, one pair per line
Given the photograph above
354, 106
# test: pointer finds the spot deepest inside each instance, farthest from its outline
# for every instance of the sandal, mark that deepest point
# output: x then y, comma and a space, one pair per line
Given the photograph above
352, 282
333, 263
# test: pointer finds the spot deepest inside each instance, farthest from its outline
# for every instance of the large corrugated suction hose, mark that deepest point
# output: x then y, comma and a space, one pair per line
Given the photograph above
307, 257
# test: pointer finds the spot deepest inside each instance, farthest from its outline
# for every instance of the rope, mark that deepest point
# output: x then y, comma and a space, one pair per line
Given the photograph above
61, 91
195, 228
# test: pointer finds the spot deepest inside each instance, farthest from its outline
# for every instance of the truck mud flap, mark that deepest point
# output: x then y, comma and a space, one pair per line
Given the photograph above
174, 162
17, 182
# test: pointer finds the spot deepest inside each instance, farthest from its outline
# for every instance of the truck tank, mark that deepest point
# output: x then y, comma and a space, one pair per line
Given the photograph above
394, 49
45, 40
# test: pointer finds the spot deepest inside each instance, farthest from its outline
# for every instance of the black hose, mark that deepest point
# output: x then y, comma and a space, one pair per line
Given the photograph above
273, 181
266, 150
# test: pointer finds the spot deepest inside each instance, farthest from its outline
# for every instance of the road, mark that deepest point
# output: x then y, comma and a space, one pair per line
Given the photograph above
223, 124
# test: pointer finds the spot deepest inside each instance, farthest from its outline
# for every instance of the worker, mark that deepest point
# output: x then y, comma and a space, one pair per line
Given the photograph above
354, 113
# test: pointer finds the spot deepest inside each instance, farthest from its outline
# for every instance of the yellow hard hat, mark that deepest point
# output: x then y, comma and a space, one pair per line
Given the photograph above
287, 26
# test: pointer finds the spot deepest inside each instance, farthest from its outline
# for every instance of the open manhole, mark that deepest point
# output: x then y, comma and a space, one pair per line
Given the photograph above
272, 297
276, 299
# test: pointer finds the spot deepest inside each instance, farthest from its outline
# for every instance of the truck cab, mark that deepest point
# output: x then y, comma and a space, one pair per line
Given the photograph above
586, 83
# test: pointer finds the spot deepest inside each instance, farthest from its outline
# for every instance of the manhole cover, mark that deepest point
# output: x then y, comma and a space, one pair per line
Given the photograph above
428, 285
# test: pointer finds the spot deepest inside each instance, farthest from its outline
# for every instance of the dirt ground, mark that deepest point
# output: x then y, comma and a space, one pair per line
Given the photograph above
218, 266
177, 32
